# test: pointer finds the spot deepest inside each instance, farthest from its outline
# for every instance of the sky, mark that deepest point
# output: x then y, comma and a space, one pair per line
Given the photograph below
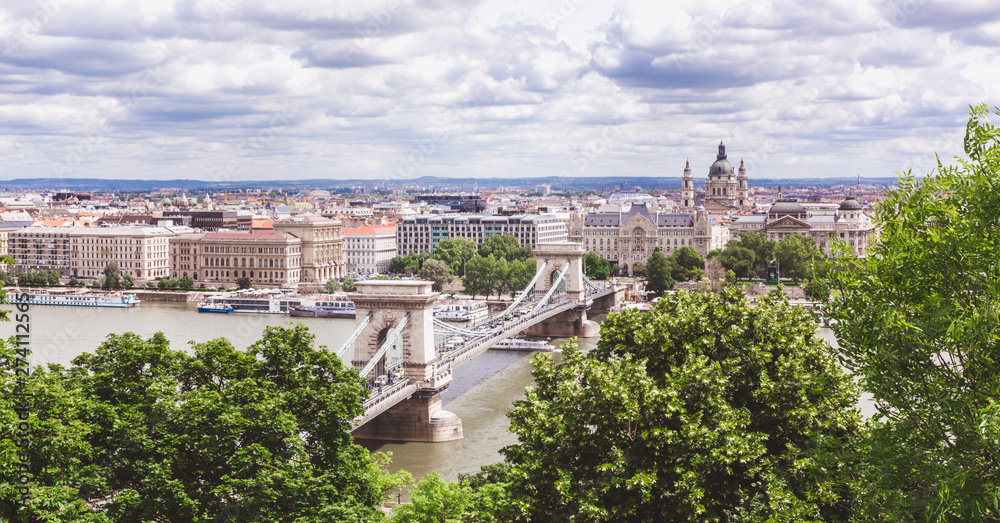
238, 90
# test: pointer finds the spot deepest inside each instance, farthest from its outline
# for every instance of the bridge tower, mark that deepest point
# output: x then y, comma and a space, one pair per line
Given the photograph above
555, 256
419, 418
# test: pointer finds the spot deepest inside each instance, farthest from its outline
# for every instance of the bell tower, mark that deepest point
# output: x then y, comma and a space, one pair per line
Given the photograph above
687, 188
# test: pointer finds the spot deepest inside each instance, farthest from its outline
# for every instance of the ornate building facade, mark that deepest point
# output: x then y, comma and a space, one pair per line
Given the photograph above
787, 216
629, 238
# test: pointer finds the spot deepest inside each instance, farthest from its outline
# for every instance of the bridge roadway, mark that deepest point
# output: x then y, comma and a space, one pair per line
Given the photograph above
390, 395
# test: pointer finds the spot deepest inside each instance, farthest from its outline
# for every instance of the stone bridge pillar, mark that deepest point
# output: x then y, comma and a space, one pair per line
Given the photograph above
419, 418
573, 322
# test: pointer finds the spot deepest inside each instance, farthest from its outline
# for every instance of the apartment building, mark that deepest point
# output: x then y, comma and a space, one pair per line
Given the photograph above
368, 249
422, 233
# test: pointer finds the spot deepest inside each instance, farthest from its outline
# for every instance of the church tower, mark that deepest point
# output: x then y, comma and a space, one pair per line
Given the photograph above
687, 188
742, 191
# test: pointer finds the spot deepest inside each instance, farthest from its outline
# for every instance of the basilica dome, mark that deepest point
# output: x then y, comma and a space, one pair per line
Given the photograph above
721, 165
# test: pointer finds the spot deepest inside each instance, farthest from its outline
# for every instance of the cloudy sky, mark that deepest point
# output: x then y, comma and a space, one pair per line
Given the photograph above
264, 89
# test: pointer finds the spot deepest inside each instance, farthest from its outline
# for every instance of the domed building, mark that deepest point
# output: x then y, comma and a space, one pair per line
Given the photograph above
726, 189
847, 222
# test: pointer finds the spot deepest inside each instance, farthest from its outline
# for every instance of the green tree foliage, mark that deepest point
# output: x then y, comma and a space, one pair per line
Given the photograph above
137, 431
243, 282
658, 278
519, 273
112, 276
73, 282
432, 501
817, 289
798, 256
455, 252
760, 244
703, 409
918, 319
33, 277
409, 264
349, 285
331, 286
53, 278
483, 276
595, 267
6, 279
504, 247
736, 258
185, 283
435, 271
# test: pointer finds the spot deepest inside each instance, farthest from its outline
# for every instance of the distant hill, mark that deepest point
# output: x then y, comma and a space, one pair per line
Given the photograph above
558, 184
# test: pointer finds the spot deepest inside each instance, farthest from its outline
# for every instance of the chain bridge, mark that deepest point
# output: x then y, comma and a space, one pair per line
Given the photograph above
408, 356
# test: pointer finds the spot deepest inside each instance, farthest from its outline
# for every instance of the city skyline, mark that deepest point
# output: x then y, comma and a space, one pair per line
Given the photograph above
241, 90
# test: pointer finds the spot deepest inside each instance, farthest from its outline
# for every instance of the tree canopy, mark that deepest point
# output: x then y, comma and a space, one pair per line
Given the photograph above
137, 431
703, 409
798, 256
455, 252
595, 267
504, 247
658, 278
435, 271
918, 319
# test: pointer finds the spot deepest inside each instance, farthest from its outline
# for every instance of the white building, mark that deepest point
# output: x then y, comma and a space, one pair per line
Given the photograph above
422, 233
85, 251
787, 216
369, 248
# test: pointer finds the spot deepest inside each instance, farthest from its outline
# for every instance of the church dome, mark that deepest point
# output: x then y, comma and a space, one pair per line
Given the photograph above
721, 165
784, 207
850, 204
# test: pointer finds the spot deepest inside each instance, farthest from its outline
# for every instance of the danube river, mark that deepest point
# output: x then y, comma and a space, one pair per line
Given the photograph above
481, 394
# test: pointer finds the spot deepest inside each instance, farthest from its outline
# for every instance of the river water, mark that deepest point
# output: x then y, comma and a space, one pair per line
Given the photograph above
481, 393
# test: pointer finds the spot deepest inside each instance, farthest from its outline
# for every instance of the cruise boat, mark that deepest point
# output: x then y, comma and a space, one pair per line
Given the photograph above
336, 306
73, 299
461, 311
223, 308
266, 301
522, 344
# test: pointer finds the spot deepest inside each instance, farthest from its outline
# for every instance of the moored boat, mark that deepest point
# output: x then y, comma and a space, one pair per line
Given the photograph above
223, 308
267, 301
336, 306
75, 299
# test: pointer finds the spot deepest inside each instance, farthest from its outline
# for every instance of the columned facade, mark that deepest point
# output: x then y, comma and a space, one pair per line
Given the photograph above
322, 246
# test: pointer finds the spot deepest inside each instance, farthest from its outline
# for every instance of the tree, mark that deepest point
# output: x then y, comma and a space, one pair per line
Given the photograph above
798, 256
33, 277
128, 281
243, 283
73, 282
185, 283
817, 290
480, 274
53, 278
917, 321
736, 258
6, 279
689, 258
595, 267
433, 500
331, 286
638, 269
703, 409
112, 276
455, 252
504, 247
137, 431
519, 273
760, 244
397, 265
349, 285
658, 278
435, 271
